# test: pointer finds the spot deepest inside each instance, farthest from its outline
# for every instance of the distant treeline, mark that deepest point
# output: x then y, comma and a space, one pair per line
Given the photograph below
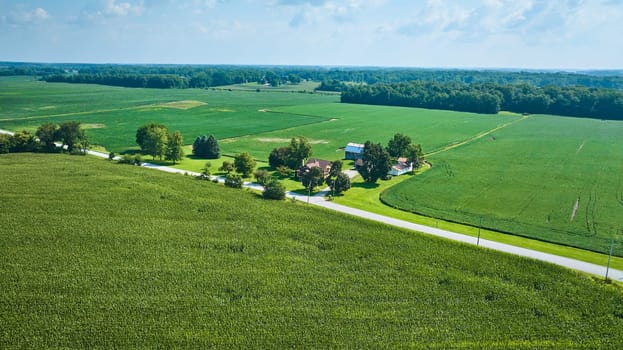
333, 79
157, 81
491, 98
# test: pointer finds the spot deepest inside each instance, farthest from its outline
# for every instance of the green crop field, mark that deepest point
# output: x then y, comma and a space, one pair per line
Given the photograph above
552, 178
94, 254
113, 114
345, 123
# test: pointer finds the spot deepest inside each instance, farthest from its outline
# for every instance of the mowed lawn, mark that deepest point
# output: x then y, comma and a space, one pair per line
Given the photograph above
111, 114
553, 178
95, 254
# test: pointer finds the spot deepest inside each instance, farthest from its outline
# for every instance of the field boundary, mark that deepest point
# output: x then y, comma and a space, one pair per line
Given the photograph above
476, 137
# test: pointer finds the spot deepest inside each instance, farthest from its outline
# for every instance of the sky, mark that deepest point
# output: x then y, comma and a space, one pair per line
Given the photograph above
528, 34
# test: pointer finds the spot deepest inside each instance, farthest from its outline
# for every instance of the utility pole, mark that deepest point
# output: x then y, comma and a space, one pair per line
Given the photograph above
609, 256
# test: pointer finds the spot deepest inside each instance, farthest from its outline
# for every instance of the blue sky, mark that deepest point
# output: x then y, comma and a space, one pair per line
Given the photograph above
564, 34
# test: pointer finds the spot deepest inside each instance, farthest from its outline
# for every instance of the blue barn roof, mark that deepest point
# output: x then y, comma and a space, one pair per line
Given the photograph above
354, 148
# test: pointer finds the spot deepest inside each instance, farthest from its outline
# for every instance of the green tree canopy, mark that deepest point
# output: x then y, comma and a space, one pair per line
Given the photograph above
340, 184
415, 155
244, 164
262, 176
206, 147
300, 149
233, 180
376, 162
312, 177
175, 147
22, 141
48, 133
274, 189
153, 139
72, 135
227, 166
336, 168
397, 145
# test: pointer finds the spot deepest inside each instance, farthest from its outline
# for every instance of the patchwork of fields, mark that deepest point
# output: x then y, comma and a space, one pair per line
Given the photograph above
551, 178
95, 254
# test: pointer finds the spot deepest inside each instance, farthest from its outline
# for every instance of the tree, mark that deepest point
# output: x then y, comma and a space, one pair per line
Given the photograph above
227, 167
72, 136
284, 171
200, 146
376, 162
274, 189
279, 157
22, 141
397, 145
5, 142
415, 155
213, 150
312, 177
153, 139
299, 151
175, 147
206, 147
48, 134
262, 177
233, 181
244, 164
340, 184
205, 171
336, 168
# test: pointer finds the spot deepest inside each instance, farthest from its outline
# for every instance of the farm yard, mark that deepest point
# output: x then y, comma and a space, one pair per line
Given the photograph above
99, 255
544, 177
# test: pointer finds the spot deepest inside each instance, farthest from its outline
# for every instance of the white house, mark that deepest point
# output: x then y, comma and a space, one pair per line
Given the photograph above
402, 166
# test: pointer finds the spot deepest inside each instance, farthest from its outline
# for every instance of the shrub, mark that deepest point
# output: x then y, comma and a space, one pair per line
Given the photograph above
126, 159
262, 177
233, 181
138, 159
274, 189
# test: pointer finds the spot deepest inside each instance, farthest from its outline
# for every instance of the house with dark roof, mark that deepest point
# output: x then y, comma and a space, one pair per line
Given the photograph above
353, 151
324, 165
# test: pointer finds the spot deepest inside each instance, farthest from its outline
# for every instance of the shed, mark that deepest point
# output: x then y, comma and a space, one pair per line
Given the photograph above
353, 151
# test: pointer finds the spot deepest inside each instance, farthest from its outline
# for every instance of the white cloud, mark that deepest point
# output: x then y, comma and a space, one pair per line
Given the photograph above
21, 16
313, 12
199, 7
122, 9
40, 13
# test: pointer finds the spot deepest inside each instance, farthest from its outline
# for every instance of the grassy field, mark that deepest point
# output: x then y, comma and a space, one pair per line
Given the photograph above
434, 129
551, 178
95, 254
113, 114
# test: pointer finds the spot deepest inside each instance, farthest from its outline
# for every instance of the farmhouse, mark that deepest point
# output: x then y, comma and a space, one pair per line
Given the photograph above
402, 166
324, 165
353, 151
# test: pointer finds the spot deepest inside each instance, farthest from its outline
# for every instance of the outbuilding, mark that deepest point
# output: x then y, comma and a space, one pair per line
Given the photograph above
353, 151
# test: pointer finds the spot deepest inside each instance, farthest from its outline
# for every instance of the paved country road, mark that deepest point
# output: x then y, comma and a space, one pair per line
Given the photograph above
320, 200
